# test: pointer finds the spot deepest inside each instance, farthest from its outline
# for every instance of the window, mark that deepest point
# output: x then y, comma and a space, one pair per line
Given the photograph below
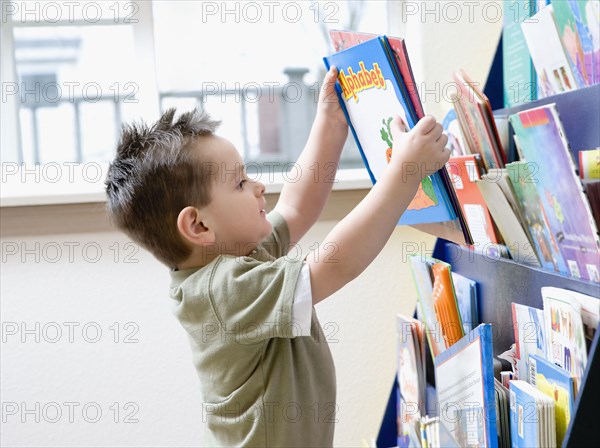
72, 72
73, 78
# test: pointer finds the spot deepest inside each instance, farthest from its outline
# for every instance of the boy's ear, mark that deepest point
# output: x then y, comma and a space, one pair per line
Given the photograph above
192, 228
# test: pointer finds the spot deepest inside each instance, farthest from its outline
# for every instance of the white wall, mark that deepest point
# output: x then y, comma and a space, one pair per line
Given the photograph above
155, 374
443, 37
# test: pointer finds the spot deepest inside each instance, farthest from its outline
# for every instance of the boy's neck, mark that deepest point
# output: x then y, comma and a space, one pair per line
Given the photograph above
201, 257
198, 259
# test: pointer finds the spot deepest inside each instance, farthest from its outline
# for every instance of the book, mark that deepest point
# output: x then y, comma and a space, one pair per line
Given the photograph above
464, 376
464, 172
566, 339
454, 230
531, 416
551, 64
559, 188
529, 325
576, 40
445, 305
502, 414
592, 191
589, 164
411, 377
519, 76
557, 384
587, 16
533, 216
590, 314
456, 143
466, 298
422, 277
435, 435
343, 39
437, 304
477, 121
506, 217
371, 91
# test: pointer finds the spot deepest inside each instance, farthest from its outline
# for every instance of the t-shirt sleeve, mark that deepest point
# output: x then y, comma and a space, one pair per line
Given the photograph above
302, 307
278, 242
253, 300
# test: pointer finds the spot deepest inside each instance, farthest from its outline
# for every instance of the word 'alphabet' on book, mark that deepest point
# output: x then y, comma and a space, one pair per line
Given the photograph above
354, 83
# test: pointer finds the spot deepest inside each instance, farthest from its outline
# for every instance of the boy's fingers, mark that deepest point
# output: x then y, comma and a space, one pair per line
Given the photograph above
437, 131
329, 80
331, 75
425, 125
397, 126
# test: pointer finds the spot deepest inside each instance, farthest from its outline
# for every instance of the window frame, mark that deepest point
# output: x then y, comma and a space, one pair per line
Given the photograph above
41, 184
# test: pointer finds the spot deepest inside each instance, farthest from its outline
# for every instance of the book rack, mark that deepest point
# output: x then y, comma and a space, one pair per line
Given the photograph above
502, 281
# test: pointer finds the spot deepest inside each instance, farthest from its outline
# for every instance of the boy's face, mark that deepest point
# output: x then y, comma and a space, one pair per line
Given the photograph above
236, 212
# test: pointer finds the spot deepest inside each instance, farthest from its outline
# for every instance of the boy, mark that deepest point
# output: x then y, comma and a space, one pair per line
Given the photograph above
266, 372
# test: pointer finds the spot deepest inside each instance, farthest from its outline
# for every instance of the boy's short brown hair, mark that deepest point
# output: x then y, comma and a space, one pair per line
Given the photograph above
156, 173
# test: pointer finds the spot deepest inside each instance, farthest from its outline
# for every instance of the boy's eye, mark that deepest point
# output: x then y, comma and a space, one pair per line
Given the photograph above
241, 184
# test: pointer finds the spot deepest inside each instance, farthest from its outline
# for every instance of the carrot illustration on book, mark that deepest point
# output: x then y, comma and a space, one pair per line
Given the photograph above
425, 196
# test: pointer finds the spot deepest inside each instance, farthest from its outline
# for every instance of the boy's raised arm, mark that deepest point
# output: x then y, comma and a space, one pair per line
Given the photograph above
302, 202
355, 242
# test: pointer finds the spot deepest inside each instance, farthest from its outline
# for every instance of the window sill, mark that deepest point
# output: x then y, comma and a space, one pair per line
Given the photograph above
59, 184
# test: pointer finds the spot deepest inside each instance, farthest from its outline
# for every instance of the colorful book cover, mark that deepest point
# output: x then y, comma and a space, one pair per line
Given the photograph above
445, 305
422, 277
566, 339
530, 336
371, 93
560, 192
466, 297
551, 63
477, 121
557, 384
576, 39
464, 173
456, 142
529, 415
490, 120
343, 39
411, 377
523, 180
590, 314
519, 76
587, 16
464, 376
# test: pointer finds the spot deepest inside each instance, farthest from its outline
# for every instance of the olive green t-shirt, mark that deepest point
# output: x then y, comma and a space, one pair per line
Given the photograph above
261, 385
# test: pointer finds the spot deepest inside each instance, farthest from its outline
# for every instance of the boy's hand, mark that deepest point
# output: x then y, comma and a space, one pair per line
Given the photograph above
329, 108
420, 151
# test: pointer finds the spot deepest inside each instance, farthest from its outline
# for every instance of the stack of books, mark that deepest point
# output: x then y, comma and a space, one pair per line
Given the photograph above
549, 49
529, 404
535, 210
540, 209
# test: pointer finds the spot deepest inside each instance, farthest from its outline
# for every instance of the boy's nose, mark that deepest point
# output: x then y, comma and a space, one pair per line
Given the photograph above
259, 188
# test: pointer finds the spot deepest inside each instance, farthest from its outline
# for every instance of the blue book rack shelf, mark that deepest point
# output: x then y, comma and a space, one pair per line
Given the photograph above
502, 281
